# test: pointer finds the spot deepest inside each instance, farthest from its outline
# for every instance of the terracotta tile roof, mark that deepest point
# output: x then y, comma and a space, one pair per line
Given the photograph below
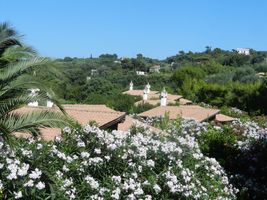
99, 113
183, 101
140, 92
172, 100
105, 117
129, 122
223, 118
154, 102
173, 97
190, 111
87, 107
46, 133
82, 113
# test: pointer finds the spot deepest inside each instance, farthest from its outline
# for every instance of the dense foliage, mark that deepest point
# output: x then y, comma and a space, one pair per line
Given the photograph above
217, 77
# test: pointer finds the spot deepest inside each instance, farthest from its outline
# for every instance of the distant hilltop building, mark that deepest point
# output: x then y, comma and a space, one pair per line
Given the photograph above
155, 68
244, 51
140, 73
94, 72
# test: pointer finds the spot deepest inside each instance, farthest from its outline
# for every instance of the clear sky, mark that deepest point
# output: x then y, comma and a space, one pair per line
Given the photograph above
155, 28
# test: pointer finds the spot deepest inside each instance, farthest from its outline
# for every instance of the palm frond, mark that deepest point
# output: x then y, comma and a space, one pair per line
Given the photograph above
6, 31
10, 42
17, 61
33, 121
12, 71
22, 83
11, 104
16, 52
4, 130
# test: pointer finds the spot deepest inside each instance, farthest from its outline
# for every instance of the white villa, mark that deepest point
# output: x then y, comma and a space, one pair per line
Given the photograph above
140, 73
244, 51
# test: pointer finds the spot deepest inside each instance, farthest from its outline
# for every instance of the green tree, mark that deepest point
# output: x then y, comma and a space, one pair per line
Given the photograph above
187, 72
214, 94
242, 72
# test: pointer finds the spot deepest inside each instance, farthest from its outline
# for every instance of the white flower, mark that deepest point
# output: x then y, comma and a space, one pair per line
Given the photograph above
39, 146
40, 185
148, 197
35, 174
31, 140
95, 160
18, 195
124, 157
150, 163
67, 182
81, 144
146, 182
96, 197
59, 174
58, 139
131, 197
27, 153
88, 129
116, 179
92, 182
13, 168
1, 185
65, 168
157, 188
67, 130
71, 193
85, 154
23, 170
107, 158
103, 190
12, 176
116, 193
138, 191
112, 146
29, 183
97, 151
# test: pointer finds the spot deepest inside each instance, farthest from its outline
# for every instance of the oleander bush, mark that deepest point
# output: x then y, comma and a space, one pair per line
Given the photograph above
89, 163
240, 148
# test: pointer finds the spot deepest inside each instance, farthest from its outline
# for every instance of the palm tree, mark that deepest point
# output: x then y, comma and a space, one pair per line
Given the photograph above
8, 37
15, 79
11, 48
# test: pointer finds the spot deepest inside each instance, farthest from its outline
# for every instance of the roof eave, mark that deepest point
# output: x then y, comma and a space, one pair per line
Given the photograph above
115, 121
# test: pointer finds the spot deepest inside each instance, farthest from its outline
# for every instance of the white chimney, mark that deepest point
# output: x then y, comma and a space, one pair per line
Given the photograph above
145, 95
148, 88
33, 104
163, 98
33, 93
49, 104
131, 85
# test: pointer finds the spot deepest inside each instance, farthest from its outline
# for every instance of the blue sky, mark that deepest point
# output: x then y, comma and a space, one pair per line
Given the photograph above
155, 28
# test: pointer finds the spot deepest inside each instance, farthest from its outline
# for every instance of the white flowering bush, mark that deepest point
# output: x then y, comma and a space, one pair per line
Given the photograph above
250, 170
88, 163
240, 147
